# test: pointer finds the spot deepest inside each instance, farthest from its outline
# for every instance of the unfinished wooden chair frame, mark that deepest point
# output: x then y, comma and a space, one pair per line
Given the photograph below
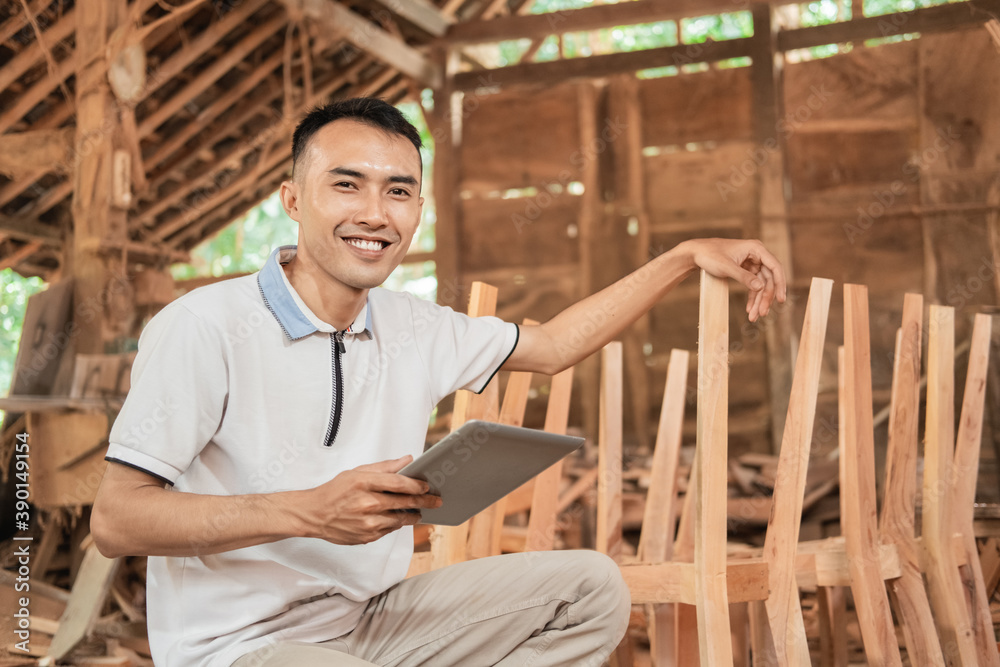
712, 581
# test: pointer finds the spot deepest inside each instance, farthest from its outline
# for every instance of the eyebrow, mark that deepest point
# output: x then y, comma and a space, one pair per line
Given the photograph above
354, 173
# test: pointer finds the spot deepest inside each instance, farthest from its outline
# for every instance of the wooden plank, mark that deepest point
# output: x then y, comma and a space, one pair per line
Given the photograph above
784, 611
964, 475
943, 582
605, 65
91, 587
696, 107
534, 26
70, 449
896, 524
609, 481
926, 20
371, 38
989, 557
652, 583
857, 485
543, 519
27, 100
710, 472
422, 14
656, 540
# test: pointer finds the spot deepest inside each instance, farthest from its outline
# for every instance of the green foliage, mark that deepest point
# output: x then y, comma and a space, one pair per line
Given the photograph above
14, 293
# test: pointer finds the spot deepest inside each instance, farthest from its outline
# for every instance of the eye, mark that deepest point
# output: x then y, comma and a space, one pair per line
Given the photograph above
344, 184
400, 192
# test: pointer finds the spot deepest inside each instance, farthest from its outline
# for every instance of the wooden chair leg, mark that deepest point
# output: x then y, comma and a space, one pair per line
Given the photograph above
711, 472
832, 606
784, 610
857, 484
963, 489
945, 586
897, 522
609, 481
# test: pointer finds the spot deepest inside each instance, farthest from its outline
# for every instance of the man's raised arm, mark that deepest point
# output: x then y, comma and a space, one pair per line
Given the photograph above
590, 324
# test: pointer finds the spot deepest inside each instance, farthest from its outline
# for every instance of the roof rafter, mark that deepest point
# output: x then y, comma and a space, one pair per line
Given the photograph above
370, 38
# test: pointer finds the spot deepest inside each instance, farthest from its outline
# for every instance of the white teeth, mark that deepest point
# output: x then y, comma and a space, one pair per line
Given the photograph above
365, 245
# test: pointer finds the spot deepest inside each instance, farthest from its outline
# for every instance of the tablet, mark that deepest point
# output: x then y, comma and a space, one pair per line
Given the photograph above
481, 462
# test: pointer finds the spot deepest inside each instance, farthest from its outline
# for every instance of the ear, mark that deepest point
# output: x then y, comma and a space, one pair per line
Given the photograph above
289, 194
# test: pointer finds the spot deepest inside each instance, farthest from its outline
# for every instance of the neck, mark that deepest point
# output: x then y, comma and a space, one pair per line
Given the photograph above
333, 302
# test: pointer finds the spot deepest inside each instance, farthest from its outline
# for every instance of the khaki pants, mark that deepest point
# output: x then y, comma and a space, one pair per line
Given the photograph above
540, 609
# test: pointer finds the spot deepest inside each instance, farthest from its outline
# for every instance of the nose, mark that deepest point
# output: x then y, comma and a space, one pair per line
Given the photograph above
372, 211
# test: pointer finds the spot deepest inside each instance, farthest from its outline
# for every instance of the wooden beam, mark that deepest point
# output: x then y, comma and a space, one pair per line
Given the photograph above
200, 44
711, 473
420, 13
659, 583
14, 68
772, 209
25, 152
609, 482
30, 229
86, 600
897, 521
27, 100
22, 253
606, 65
857, 484
926, 20
943, 582
236, 94
539, 26
19, 20
369, 37
784, 612
232, 57
96, 219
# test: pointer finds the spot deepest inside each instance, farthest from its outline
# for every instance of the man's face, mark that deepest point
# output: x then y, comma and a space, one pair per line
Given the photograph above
356, 197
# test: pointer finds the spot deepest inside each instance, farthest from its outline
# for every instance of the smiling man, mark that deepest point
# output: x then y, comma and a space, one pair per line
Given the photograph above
267, 496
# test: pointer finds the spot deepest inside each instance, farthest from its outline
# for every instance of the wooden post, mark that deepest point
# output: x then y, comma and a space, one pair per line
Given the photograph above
784, 612
445, 124
857, 491
609, 481
711, 473
100, 278
943, 583
768, 109
964, 475
896, 526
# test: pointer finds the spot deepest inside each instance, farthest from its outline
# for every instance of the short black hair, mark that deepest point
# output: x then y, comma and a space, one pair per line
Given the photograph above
368, 110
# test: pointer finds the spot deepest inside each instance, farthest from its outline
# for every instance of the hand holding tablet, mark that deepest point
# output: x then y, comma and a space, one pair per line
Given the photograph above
481, 462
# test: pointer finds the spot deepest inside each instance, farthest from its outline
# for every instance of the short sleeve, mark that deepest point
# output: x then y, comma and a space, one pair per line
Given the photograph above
177, 398
460, 352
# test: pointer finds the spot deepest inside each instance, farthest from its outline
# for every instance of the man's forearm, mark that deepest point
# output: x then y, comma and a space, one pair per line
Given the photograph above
593, 322
152, 521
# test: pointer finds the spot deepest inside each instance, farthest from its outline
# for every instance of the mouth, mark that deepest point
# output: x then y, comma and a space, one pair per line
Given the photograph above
367, 247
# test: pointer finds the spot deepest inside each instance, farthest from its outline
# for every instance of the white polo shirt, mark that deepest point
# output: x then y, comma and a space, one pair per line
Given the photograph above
239, 388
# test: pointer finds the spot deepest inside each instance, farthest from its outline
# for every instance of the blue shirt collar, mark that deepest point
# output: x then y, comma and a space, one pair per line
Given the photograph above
294, 316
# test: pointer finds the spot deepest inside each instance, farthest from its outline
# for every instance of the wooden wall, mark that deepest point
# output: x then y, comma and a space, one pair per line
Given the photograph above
891, 154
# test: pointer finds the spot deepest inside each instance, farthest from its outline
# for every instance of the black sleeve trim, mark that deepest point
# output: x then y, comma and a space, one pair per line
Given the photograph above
517, 337
140, 469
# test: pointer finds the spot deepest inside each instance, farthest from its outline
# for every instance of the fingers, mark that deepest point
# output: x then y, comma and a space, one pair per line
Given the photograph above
771, 263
